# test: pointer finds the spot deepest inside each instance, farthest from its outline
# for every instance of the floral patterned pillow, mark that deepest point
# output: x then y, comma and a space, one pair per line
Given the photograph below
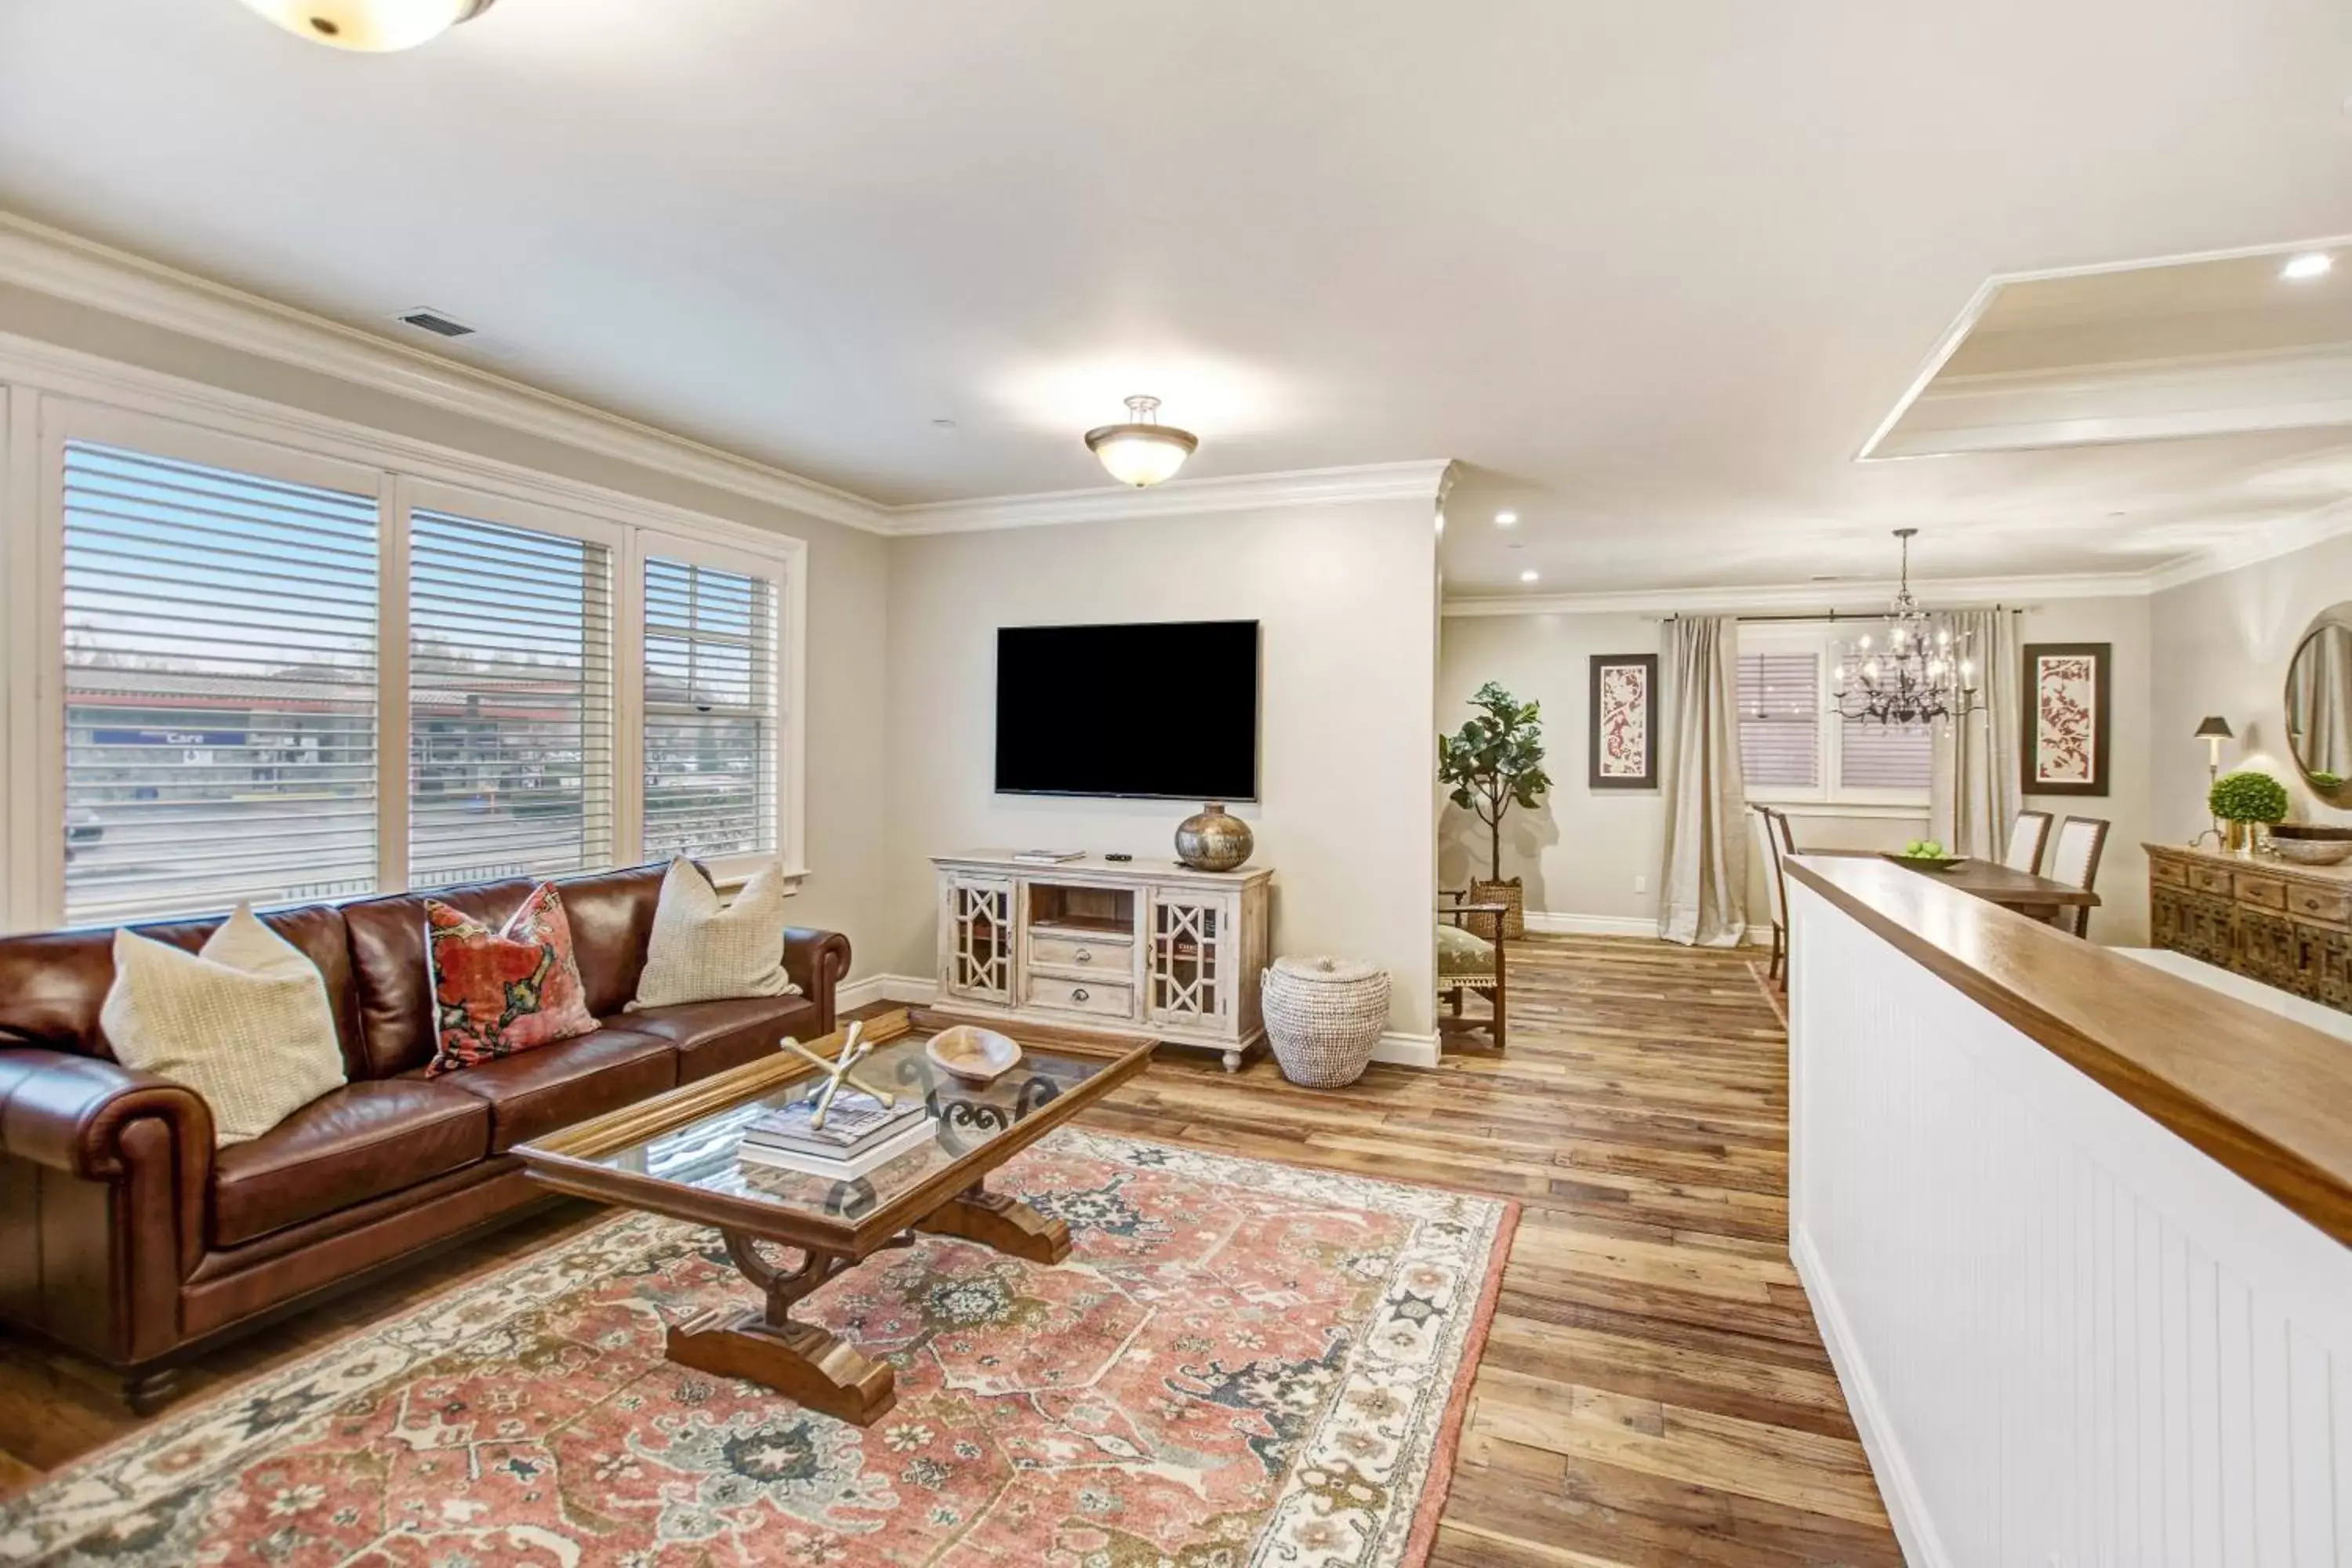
500, 991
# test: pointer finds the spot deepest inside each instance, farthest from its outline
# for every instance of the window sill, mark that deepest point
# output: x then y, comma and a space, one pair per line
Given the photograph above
1875, 810
729, 873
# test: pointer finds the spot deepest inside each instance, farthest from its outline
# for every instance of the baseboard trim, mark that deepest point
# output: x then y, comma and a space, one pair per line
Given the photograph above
916, 990
1407, 1050
1555, 922
1897, 1488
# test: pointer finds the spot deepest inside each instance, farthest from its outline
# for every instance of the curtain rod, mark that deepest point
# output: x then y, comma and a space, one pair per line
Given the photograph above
1833, 616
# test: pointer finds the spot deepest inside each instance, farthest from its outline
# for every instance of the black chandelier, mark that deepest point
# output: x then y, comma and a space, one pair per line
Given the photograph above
1917, 676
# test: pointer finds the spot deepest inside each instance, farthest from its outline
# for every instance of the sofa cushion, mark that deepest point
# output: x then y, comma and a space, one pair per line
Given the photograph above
712, 1037
357, 1142
611, 917
568, 1081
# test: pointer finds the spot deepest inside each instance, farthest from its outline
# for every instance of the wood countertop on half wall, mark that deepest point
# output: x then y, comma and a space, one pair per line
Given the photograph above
2269, 1098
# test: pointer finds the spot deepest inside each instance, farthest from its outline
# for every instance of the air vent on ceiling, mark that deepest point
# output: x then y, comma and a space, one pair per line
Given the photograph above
436, 323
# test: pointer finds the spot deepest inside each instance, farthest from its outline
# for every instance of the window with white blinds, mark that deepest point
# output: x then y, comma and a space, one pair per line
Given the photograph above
220, 687
710, 711
510, 703
1779, 720
1884, 756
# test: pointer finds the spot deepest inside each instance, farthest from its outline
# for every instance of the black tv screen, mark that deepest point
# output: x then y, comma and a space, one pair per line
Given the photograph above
1166, 709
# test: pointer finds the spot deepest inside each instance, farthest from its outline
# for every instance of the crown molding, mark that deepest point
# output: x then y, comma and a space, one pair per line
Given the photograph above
1865, 598
64, 266
1420, 481
51, 261
2267, 543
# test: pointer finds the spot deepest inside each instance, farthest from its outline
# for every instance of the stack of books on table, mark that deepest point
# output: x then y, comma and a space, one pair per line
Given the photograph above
860, 1134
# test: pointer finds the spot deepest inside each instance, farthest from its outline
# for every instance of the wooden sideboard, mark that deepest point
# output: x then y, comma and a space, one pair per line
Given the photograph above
2288, 926
1119, 946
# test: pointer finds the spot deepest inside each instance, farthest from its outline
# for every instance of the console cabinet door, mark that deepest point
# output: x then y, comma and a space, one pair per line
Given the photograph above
976, 937
1192, 953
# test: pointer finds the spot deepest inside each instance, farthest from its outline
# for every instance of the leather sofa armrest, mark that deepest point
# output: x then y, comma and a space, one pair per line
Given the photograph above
68, 1112
818, 961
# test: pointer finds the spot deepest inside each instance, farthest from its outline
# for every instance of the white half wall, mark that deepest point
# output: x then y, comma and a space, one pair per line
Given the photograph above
1346, 595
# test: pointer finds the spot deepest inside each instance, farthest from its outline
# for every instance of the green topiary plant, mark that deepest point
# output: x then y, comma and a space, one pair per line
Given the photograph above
1494, 762
2247, 796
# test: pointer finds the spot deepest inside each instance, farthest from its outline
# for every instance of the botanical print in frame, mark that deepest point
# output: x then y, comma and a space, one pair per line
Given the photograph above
2065, 738
1624, 746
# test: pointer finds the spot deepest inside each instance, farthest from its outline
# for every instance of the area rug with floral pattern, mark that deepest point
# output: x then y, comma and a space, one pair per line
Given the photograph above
1241, 1363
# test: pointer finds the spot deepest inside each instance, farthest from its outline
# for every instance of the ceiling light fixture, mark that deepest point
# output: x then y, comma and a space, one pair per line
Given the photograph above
2311, 264
1142, 451
1506, 520
370, 27
1921, 675
1529, 576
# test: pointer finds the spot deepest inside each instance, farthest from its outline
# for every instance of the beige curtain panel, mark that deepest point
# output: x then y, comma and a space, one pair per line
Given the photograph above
1704, 886
1972, 792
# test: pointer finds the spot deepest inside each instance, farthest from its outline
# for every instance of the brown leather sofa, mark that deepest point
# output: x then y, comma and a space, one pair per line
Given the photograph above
126, 1237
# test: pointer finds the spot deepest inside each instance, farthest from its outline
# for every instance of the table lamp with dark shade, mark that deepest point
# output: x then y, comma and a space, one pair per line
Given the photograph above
2213, 730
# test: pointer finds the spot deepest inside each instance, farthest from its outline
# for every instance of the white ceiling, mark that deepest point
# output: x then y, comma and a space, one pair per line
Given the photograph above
1654, 273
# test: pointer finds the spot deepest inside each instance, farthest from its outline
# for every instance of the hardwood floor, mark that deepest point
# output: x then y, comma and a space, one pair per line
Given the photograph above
1653, 1390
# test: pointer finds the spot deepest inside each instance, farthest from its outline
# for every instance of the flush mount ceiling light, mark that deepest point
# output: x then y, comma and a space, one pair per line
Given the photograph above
2311, 264
1141, 451
1530, 576
372, 26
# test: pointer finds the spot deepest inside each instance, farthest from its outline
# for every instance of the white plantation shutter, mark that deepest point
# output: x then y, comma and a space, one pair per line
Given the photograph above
710, 711
1779, 720
1884, 756
510, 701
220, 687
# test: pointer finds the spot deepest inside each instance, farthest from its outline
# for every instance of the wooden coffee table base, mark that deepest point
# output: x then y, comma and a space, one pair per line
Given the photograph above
805, 1364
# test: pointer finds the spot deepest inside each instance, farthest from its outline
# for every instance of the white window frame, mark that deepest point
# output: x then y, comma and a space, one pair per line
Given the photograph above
1824, 640
48, 395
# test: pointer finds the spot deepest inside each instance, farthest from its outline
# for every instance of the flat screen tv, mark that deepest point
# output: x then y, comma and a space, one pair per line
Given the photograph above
1162, 710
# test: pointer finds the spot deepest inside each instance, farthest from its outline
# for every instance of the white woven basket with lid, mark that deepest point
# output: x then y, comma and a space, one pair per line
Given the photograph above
1323, 1016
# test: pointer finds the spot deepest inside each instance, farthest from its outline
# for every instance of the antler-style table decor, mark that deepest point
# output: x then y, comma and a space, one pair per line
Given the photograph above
855, 1048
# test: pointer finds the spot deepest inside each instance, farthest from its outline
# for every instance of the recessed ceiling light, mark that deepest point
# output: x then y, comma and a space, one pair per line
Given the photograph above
1529, 576
1505, 518
2311, 264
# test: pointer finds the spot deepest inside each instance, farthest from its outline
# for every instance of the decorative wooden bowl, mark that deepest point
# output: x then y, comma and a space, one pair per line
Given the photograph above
975, 1056
1925, 862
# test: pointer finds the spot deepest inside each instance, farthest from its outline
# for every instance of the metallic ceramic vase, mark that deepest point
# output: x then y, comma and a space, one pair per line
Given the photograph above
1213, 841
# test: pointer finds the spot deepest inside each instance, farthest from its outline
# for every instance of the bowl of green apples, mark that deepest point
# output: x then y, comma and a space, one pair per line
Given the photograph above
1926, 855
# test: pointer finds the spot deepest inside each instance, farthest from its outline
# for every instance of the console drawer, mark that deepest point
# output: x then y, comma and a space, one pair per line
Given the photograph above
1103, 999
1080, 955
2268, 892
2210, 879
2320, 903
2171, 872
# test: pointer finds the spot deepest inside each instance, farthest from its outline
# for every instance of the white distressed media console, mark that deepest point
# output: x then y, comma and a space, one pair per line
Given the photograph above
1139, 945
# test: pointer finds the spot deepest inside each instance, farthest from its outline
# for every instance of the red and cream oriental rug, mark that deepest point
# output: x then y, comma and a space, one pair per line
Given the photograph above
1241, 1363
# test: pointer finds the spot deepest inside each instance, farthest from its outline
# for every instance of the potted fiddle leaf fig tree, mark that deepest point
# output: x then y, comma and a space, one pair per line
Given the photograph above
1494, 762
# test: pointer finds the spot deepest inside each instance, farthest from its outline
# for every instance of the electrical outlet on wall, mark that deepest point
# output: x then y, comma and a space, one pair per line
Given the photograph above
1640, 884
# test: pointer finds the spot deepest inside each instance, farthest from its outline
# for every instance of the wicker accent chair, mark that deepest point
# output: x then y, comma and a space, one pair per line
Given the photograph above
1469, 961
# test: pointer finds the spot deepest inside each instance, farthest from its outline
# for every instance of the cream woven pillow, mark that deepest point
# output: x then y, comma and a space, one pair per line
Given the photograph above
245, 1022
703, 951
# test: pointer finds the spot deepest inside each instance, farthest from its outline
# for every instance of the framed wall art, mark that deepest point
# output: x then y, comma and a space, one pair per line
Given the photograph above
1624, 748
2065, 738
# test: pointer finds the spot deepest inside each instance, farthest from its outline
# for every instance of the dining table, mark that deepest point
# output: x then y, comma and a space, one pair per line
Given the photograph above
2028, 893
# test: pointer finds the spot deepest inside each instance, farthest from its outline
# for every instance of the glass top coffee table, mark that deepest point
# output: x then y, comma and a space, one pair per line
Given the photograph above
677, 1155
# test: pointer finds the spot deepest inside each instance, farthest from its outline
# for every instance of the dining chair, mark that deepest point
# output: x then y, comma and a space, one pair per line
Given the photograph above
1467, 962
2027, 836
1772, 830
2075, 862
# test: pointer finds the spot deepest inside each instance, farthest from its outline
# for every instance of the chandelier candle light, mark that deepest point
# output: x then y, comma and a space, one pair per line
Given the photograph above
1919, 676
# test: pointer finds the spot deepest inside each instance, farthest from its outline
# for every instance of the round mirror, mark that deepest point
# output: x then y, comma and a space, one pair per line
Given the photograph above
2319, 706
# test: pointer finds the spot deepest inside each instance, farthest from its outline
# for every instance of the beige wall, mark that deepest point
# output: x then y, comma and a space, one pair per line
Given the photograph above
847, 569
1344, 594
2221, 646
1580, 854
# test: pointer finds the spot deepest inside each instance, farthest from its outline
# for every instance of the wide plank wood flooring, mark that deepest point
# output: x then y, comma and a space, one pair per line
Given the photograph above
1653, 1390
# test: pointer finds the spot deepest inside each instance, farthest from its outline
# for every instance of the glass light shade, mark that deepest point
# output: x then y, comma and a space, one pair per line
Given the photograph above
1141, 451
373, 27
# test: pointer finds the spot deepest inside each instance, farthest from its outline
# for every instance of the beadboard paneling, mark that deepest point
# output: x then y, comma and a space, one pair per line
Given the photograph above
2069, 1337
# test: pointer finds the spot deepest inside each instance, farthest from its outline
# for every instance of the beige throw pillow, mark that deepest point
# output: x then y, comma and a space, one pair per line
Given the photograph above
703, 951
245, 1021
